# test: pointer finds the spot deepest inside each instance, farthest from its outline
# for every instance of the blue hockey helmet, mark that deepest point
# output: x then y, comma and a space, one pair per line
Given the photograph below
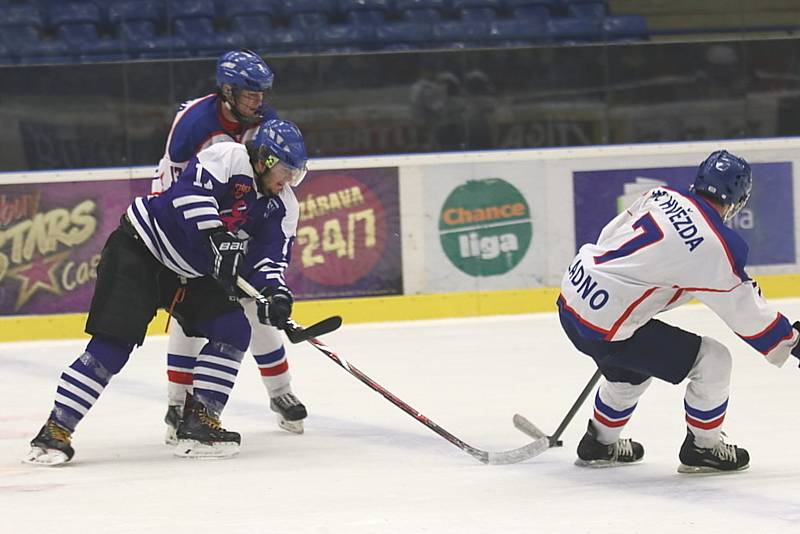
243, 70
725, 178
279, 143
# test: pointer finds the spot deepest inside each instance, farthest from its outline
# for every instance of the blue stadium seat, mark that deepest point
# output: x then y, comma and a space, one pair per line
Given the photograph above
136, 19
592, 9
364, 12
519, 32
575, 29
345, 37
533, 9
76, 23
626, 27
47, 51
285, 40
20, 27
403, 35
251, 17
461, 33
424, 11
191, 19
477, 10
308, 13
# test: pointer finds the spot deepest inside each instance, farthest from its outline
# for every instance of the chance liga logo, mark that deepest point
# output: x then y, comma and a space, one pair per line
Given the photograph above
485, 227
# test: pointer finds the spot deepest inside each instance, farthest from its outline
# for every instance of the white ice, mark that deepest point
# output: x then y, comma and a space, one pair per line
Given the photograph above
364, 466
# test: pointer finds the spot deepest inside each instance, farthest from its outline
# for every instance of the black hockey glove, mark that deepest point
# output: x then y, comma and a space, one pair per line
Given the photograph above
227, 252
278, 308
796, 349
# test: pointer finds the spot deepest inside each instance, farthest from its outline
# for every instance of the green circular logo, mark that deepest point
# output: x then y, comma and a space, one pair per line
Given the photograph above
485, 227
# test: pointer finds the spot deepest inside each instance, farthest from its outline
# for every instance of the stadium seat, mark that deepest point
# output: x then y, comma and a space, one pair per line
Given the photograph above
191, 19
519, 32
461, 33
403, 35
575, 29
592, 9
134, 20
424, 11
364, 12
76, 23
20, 26
345, 37
532, 9
477, 10
626, 27
251, 16
308, 13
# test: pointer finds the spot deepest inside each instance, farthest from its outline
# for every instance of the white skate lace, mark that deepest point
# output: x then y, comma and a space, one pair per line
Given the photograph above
623, 449
724, 451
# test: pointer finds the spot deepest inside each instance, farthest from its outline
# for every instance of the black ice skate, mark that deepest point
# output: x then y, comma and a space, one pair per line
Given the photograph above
173, 420
592, 453
200, 435
291, 412
721, 458
51, 446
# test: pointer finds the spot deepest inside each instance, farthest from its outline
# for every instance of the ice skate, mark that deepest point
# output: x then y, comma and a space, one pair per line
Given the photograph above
721, 458
592, 453
290, 411
173, 420
51, 446
201, 436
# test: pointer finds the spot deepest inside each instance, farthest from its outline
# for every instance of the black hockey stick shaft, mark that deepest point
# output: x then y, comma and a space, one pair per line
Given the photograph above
554, 439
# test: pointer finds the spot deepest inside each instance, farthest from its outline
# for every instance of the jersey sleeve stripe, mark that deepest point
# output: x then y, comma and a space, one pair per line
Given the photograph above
195, 199
766, 340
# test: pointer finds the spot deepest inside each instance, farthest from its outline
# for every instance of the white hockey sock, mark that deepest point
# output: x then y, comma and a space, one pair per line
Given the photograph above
182, 353
614, 404
274, 369
706, 399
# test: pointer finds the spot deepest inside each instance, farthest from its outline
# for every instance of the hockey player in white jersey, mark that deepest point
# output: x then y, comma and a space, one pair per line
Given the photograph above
666, 248
232, 114
176, 251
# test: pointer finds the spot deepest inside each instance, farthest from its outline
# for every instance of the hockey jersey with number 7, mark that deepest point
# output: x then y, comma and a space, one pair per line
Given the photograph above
668, 247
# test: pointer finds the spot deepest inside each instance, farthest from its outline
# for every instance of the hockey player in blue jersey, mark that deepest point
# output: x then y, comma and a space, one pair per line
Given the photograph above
666, 248
231, 114
173, 251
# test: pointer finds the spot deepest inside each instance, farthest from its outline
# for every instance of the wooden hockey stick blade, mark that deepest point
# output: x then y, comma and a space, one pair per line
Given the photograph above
299, 334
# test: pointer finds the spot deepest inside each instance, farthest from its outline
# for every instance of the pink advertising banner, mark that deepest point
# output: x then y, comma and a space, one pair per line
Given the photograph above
51, 235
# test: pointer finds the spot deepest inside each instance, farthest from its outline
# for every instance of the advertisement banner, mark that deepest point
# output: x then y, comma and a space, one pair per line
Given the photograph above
51, 235
766, 223
348, 237
484, 227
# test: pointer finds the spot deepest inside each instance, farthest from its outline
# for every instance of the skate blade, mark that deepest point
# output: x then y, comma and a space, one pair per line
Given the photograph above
601, 464
705, 470
45, 457
171, 437
189, 448
295, 427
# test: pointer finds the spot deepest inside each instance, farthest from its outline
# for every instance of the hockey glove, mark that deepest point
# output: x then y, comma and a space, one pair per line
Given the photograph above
796, 349
278, 308
227, 252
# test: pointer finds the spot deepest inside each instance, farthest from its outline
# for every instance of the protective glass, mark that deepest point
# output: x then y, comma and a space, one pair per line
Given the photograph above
293, 175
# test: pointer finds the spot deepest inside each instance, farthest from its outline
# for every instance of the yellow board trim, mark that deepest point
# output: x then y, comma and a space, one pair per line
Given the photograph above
366, 310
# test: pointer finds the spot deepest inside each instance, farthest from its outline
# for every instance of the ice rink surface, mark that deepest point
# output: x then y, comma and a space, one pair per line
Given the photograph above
364, 466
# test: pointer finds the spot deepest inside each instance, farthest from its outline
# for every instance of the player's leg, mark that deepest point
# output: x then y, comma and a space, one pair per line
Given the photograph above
182, 351
269, 352
123, 305
206, 311
706, 402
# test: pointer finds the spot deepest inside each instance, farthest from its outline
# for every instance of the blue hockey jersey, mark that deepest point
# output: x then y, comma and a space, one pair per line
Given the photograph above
198, 124
216, 184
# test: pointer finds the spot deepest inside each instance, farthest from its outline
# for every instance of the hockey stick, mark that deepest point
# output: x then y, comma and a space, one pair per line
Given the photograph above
525, 426
295, 332
538, 446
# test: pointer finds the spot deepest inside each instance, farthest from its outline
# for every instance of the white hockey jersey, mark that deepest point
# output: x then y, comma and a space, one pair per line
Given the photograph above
668, 247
